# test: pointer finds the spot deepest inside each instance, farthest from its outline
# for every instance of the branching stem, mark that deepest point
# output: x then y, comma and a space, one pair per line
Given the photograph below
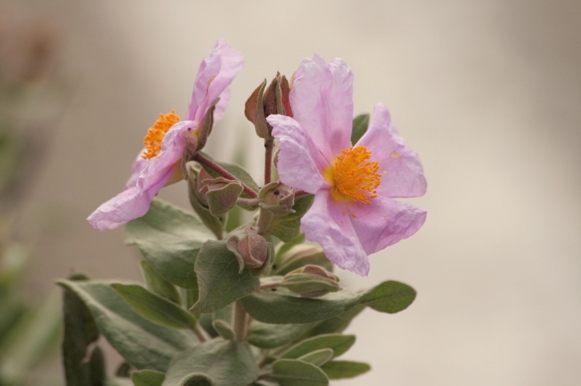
205, 161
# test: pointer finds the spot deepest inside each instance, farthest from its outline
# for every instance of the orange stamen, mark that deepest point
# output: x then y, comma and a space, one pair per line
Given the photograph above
353, 178
156, 133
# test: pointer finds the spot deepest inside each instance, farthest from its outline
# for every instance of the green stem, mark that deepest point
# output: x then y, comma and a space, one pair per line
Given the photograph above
204, 161
200, 333
240, 322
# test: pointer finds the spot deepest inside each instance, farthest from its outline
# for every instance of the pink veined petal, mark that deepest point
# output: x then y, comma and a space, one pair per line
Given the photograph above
299, 161
138, 165
126, 206
215, 74
385, 222
402, 172
330, 225
321, 99
222, 104
161, 167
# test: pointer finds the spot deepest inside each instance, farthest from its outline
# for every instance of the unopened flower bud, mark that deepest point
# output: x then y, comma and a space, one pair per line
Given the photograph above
266, 101
195, 176
251, 249
277, 198
299, 256
311, 281
220, 193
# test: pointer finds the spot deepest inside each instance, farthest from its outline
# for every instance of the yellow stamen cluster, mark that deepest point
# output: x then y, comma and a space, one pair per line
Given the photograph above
156, 133
353, 177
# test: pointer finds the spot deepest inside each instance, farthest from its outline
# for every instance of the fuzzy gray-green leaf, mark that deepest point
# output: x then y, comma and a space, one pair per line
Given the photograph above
169, 239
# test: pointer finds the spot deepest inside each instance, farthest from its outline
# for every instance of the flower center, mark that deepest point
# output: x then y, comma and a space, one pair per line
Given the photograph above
353, 178
156, 133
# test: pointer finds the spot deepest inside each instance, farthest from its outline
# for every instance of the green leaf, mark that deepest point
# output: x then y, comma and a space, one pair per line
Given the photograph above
154, 307
336, 324
344, 369
220, 282
294, 372
223, 329
80, 332
288, 227
169, 239
147, 378
215, 362
360, 125
157, 284
318, 357
267, 336
389, 296
143, 344
338, 343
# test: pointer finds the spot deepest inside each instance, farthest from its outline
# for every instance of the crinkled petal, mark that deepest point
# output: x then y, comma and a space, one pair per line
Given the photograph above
299, 161
402, 172
385, 222
216, 72
329, 224
126, 206
322, 101
160, 168
138, 165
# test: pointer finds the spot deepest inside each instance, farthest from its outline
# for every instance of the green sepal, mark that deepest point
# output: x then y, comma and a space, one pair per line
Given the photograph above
237, 171
219, 277
147, 378
389, 297
344, 369
169, 239
336, 342
142, 343
157, 284
360, 126
294, 372
153, 307
288, 227
215, 362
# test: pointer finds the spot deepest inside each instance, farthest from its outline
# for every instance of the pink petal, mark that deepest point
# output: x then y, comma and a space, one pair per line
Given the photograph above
322, 101
329, 224
403, 175
299, 161
126, 206
160, 168
385, 222
216, 73
136, 169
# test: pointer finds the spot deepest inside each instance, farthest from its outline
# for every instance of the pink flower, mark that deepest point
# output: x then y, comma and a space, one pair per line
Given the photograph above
159, 163
353, 213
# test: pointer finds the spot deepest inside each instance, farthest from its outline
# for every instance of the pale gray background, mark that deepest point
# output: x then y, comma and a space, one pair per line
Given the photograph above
487, 92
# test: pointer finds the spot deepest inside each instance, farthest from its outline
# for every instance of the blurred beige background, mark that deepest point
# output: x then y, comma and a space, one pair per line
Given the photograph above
487, 92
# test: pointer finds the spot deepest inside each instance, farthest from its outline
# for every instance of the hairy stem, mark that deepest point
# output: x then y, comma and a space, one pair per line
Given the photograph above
224, 173
268, 147
240, 322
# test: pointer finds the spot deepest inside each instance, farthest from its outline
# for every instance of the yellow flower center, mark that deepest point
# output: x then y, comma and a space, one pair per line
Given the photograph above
352, 177
156, 133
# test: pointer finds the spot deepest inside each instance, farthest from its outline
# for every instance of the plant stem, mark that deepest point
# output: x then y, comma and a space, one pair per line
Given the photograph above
200, 333
205, 161
240, 322
268, 146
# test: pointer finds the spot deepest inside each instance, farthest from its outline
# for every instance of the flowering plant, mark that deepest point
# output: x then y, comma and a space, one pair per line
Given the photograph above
256, 303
